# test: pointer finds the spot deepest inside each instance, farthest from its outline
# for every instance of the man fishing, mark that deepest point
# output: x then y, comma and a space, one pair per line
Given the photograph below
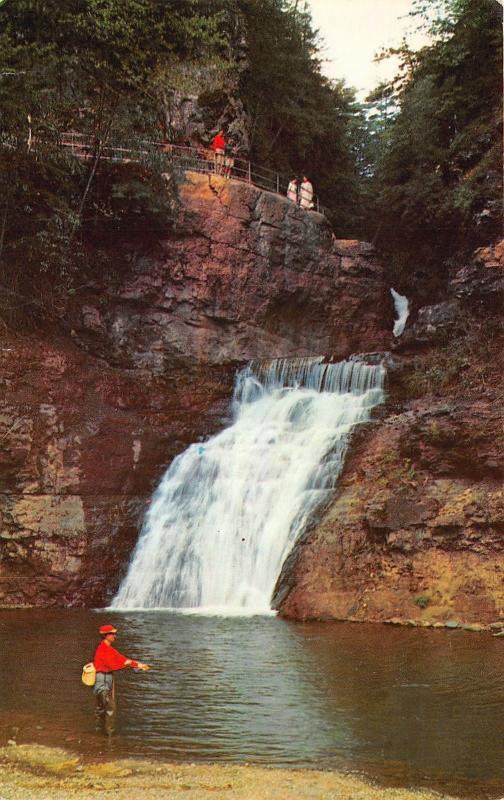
108, 660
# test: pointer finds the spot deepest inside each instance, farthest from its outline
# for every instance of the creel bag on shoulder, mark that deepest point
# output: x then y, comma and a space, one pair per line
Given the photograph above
89, 674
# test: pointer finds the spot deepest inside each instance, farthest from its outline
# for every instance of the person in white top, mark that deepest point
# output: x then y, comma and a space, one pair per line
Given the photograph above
292, 190
306, 194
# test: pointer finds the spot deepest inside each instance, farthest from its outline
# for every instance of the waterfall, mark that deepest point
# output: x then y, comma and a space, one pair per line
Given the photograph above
401, 306
227, 512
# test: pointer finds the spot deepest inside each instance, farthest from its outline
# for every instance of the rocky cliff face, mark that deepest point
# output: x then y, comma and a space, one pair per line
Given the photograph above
90, 417
90, 420
416, 530
250, 276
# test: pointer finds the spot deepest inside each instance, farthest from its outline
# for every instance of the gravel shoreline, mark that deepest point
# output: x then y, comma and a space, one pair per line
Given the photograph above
36, 772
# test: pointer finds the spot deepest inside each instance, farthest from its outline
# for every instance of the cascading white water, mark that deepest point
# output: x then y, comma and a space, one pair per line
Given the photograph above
401, 306
227, 513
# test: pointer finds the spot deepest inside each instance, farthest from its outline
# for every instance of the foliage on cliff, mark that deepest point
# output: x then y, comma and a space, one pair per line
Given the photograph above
90, 66
437, 179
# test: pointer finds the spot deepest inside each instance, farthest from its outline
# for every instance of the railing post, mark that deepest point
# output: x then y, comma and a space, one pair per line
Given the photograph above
82, 146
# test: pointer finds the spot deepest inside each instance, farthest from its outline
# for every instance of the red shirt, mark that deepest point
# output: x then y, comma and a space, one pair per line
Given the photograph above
218, 143
107, 659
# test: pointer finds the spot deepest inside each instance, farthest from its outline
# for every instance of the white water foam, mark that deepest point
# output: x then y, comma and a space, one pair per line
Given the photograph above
401, 306
227, 513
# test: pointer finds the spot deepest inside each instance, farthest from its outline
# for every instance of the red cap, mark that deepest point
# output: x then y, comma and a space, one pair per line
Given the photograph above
107, 629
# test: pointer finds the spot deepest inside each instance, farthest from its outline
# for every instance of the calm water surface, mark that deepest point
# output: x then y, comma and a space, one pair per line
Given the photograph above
404, 706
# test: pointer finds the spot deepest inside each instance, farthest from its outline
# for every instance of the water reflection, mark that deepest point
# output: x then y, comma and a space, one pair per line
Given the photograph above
406, 705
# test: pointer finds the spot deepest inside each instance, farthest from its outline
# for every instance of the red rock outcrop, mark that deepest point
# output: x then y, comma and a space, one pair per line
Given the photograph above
250, 276
89, 422
416, 531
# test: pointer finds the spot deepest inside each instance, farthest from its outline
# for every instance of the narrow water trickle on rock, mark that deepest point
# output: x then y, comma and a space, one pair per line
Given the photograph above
227, 512
401, 305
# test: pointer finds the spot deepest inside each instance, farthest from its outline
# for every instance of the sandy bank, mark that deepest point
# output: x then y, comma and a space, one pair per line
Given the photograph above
35, 772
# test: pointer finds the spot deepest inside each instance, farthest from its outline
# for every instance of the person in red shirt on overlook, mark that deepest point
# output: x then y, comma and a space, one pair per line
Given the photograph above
108, 660
219, 146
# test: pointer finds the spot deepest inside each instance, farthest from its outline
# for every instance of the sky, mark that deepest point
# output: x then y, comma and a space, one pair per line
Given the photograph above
354, 30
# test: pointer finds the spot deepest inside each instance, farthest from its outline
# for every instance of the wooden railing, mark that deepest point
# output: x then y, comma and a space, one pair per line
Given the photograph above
196, 159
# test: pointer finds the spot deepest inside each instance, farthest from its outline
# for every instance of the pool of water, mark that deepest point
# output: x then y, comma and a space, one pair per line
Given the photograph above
405, 706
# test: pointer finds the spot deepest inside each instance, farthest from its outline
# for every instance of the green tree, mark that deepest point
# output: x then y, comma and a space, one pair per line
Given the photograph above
300, 121
90, 65
437, 176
